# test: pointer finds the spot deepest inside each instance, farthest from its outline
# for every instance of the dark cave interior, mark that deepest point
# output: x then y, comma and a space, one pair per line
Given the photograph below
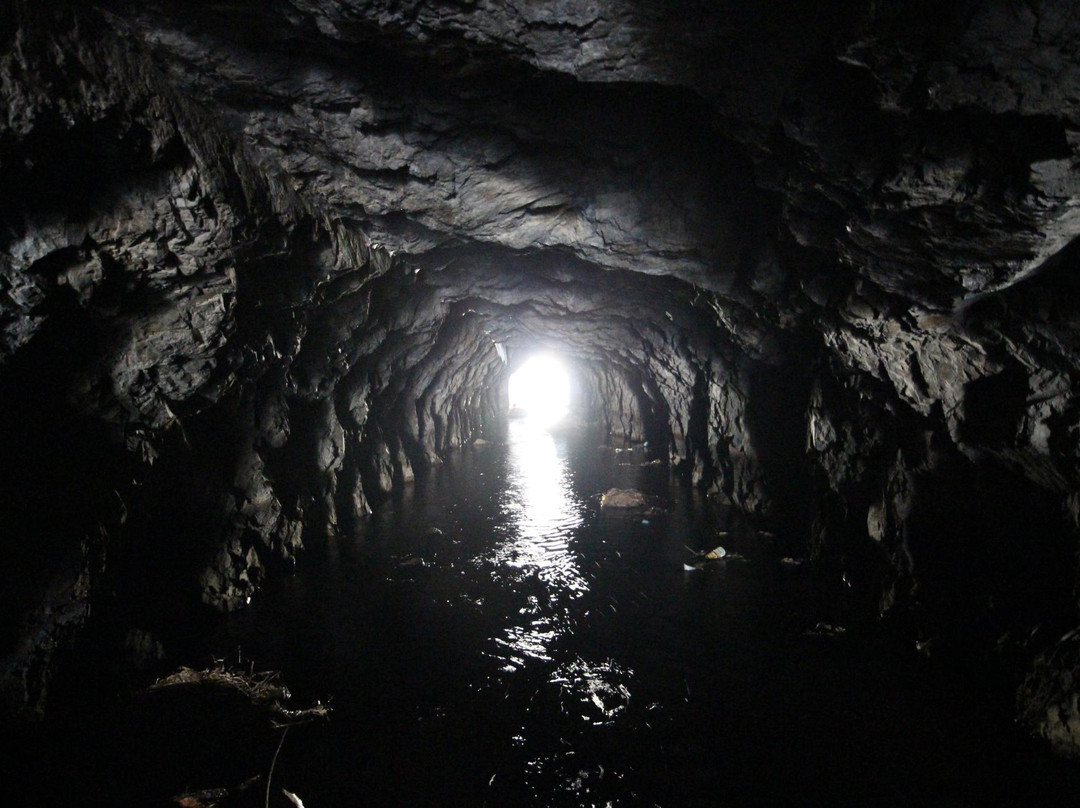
262, 265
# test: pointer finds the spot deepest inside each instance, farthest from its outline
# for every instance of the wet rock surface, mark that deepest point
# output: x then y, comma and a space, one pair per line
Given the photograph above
263, 263
622, 498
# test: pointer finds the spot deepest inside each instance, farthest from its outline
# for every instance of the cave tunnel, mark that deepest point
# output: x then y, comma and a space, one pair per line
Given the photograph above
806, 535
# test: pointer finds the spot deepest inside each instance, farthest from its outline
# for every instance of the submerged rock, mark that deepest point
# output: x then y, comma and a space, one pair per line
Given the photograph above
622, 498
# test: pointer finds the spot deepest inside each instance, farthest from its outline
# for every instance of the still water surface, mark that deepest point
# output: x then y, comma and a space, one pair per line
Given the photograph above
539, 651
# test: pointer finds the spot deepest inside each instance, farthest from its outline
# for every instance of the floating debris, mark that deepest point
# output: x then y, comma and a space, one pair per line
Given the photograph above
207, 798
622, 498
655, 462
262, 689
598, 688
259, 688
788, 561
704, 557
825, 630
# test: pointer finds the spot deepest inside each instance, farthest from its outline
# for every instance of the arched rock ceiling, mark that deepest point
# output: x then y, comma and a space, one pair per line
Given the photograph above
819, 250
466, 146
922, 153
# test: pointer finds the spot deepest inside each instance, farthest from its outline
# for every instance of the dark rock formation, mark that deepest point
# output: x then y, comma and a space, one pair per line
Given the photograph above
261, 262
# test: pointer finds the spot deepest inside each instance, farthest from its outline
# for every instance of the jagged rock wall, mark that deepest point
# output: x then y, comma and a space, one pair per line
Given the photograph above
175, 325
255, 259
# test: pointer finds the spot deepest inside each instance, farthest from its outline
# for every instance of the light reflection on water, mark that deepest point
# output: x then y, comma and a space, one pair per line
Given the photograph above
548, 653
534, 552
536, 556
599, 689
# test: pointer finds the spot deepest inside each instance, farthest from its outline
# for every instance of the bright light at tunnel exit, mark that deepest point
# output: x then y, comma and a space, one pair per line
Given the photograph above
540, 390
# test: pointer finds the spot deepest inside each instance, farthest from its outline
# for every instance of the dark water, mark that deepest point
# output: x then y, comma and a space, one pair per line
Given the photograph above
542, 652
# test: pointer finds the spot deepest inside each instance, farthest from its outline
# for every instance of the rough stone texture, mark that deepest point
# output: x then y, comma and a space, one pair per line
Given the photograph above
622, 498
1048, 701
256, 258
167, 301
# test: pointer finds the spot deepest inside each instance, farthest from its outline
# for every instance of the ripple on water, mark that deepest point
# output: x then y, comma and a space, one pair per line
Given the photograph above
533, 554
500, 673
577, 779
599, 690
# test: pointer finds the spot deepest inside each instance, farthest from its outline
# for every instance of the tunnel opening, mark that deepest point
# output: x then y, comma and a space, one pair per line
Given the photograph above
539, 390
